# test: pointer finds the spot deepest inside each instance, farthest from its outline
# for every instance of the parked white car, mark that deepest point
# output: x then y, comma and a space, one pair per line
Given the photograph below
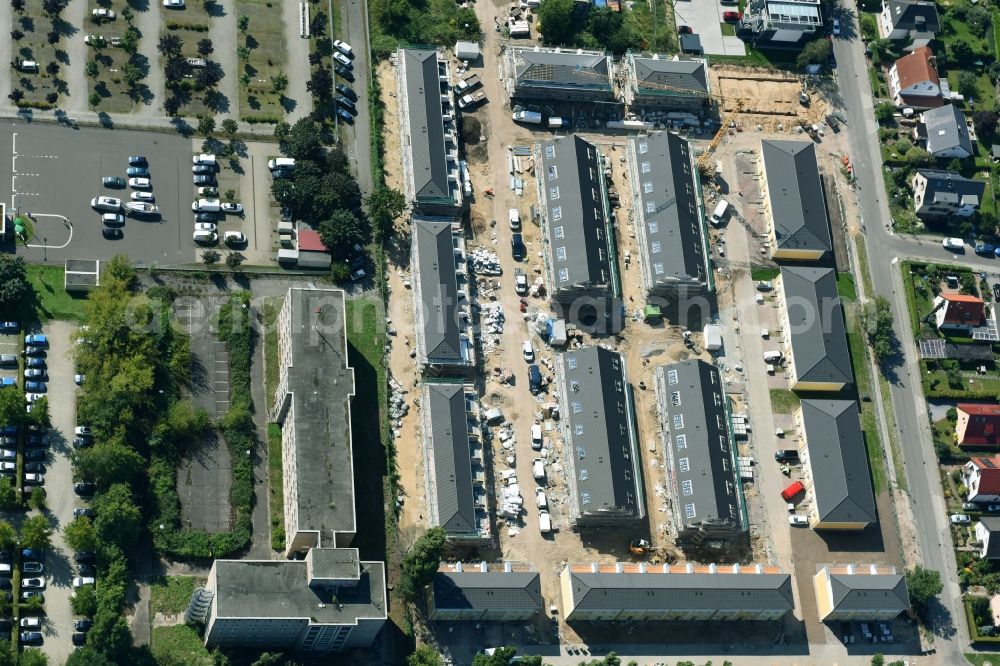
102, 13
140, 183
953, 244
173, 4
144, 196
960, 519
80, 581
106, 203
343, 47
528, 351
798, 521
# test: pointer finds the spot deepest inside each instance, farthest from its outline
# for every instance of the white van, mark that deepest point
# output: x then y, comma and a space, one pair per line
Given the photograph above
206, 206
281, 163
719, 216
203, 159
772, 357
515, 219
205, 237
536, 436
544, 522
953, 244
27, 66
540, 499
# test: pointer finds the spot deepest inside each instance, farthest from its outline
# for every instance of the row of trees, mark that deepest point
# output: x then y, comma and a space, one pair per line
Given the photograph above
177, 71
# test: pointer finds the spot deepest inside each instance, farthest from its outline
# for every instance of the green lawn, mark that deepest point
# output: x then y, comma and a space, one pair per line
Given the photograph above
765, 274
276, 486
34, 45
52, 301
265, 39
180, 644
982, 659
784, 401
171, 594
728, 29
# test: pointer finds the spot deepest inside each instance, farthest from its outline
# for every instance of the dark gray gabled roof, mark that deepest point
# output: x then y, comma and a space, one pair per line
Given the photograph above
867, 591
992, 525
948, 186
490, 590
545, 68
796, 195
704, 470
838, 459
428, 155
449, 437
682, 591
816, 323
652, 73
674, 248
914, 15
435, 270
601, 451
946, 129
577, 230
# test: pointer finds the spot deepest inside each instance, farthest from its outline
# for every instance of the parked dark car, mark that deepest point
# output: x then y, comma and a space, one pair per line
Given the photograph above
34, 454
347, 92
83, 556
534, 379
344, 73
346, 116
783, 455
79, 638
112, 234
83, 625
84, 488
206, 217
347, 104
517, 248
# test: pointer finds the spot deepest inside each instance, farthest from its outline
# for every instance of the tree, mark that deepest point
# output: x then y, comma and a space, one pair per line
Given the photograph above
876, 319
206, 125
14, 287
11, 407
978, 19
279, 82
421, 561
282, 130
210, 257
175, 68
80, 534
424, 655
33, 657
878, 659
8, 535
205, 47
816, 52
207, 77
132, 74
505, 656
383, 206
110, 635
304, 141
128, 15
16, 95
172, 105
40, 413
37, 499
923, 585
884, 112
169, 44
244, 23
130, 41
270, 659
94, 99
17, 6
87, 656
118, 519
230, 194
85, 601
320, 82
230, 127
960, 51
882, 49
341, 232
966, 84
557, 23
234, 260
36, 533
108, 462
8, 494
16, 35
54, 8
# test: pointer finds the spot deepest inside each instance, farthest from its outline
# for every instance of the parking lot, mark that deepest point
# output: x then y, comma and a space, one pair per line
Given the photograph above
705, 19
55, 171
10, 344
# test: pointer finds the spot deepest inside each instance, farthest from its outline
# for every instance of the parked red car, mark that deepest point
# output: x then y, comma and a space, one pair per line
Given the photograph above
731, 17
791, 491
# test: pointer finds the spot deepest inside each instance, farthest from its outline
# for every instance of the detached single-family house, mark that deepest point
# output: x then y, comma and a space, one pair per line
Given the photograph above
794, 205
943, 194
782, 22
856, 593
657, 81
958, 314
535, 73
945, 133
978, 425
908, 19
982, 478
986, 529
914, 80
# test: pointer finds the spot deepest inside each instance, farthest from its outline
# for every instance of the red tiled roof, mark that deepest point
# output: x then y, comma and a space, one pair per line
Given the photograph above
309, 240
962, 298
979, 409
962, 309
917, 67
983, 426
989, 479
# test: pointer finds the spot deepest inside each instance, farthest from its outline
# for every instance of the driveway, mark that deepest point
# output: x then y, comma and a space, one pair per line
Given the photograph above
297, 60
60, 498
222, 30
357, 144
148, 21
705, 18
76, 80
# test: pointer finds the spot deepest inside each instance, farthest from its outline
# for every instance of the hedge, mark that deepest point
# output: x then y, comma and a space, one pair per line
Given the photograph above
973, 629
238, 430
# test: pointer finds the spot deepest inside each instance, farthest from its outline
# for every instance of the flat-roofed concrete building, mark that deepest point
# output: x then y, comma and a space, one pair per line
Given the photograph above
627, 591
432, 181
838, 465
442, 319
481, 592
454, 468
856, 593
573, 202
655, 81
709, 513
558, 75
794, 206
668, 216
330, 599
812, 323
601, 459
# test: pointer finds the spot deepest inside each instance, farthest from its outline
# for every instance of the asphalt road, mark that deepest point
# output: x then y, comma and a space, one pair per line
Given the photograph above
357, 144
932, 528
54, 171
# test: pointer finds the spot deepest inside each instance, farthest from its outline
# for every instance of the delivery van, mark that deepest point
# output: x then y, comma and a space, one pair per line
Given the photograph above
530, 117
721, 210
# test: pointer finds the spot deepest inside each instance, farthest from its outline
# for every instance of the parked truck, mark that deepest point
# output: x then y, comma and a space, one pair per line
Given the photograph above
471, 101
468, 84
530, 117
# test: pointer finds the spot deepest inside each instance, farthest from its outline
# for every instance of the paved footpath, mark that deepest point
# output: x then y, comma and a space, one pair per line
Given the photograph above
148, 23
222, 31
296, 60
74, 74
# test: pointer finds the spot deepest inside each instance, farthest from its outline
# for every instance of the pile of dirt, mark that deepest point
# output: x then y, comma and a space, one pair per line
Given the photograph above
472, 130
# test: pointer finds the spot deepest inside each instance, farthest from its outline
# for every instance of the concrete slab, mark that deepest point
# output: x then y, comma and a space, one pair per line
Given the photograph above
705, 19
